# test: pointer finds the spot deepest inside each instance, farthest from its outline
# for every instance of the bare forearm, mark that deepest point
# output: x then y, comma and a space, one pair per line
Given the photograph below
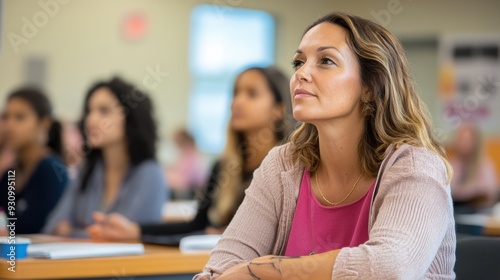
315, 267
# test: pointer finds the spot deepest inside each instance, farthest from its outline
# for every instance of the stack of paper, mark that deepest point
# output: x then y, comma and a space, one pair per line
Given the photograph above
198, 243
82, 250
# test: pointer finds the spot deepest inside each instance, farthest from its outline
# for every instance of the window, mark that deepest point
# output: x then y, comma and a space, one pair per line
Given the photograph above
223, 42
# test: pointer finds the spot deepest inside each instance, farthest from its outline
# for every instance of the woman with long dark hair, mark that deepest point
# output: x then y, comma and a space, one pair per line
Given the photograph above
38, 178
120, 173
260, 120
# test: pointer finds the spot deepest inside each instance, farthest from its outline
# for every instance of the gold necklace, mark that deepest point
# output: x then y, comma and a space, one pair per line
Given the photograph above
335, 203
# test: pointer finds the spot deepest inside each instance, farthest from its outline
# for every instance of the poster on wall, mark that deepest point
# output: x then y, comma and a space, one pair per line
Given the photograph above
469, 81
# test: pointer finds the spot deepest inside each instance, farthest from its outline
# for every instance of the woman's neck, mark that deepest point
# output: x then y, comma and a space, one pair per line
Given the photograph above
30, 155
339, 151
116, 163
27, 160
116, 157
467, 156
258, 146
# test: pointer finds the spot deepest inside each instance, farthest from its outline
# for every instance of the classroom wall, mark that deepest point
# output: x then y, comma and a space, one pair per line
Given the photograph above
81, 42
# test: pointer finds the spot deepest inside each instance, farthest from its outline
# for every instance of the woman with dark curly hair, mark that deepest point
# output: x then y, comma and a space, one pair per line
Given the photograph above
120, 173
260, 120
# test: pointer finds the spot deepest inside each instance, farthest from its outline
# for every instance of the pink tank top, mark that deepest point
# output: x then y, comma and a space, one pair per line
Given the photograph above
317, 228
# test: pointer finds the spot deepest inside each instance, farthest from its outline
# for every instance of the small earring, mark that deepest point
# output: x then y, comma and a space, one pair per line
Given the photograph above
368, 108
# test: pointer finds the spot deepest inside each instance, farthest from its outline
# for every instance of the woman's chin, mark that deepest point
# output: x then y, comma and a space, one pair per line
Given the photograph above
302, 116
95, 143
240, 125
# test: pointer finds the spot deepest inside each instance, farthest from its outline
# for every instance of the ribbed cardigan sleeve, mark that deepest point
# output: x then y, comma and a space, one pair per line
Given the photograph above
413, 212
411, 231
252, 231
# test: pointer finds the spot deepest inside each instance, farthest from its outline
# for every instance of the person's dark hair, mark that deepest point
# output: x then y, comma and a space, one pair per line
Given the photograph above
140, 126
43, 109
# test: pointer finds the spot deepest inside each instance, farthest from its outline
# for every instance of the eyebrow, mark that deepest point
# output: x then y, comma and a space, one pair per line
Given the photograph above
299, 51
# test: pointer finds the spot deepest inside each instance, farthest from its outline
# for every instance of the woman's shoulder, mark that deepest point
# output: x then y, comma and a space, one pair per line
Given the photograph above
147, 167
50, 160
148, 162
52, 165
407, 160
279, 158
147, 171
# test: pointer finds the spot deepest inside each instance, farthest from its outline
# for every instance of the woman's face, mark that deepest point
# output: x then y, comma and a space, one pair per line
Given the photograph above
466, 140
253, 107
326, 84
105, 122
23, 127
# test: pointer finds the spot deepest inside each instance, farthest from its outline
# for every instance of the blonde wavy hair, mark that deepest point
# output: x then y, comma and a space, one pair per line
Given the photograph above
394, 112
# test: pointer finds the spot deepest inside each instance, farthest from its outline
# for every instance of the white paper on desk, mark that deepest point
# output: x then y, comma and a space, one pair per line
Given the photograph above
82, 250
198, 243
471, 219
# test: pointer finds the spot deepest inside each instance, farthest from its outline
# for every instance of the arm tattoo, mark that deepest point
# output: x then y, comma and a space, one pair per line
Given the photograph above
276, 265
254, 277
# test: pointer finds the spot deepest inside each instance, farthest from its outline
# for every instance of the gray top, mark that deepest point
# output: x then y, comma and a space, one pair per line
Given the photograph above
141, 198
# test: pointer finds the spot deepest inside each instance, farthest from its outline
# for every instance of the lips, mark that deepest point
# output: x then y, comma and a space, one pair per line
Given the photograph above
237, 115
299, 93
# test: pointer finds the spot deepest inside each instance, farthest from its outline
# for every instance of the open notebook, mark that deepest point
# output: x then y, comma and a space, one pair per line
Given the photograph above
82, 250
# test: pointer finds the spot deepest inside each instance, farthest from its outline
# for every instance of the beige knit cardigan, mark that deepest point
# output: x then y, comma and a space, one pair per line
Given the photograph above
411, 225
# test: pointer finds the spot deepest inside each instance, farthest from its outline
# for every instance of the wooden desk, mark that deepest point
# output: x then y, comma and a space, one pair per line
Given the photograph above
157, 260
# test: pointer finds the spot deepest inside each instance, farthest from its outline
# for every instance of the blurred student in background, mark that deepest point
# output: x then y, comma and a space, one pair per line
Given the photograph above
260, 120
474, 184
120, 173
73, 144
40, 175
189, 173
7, 156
